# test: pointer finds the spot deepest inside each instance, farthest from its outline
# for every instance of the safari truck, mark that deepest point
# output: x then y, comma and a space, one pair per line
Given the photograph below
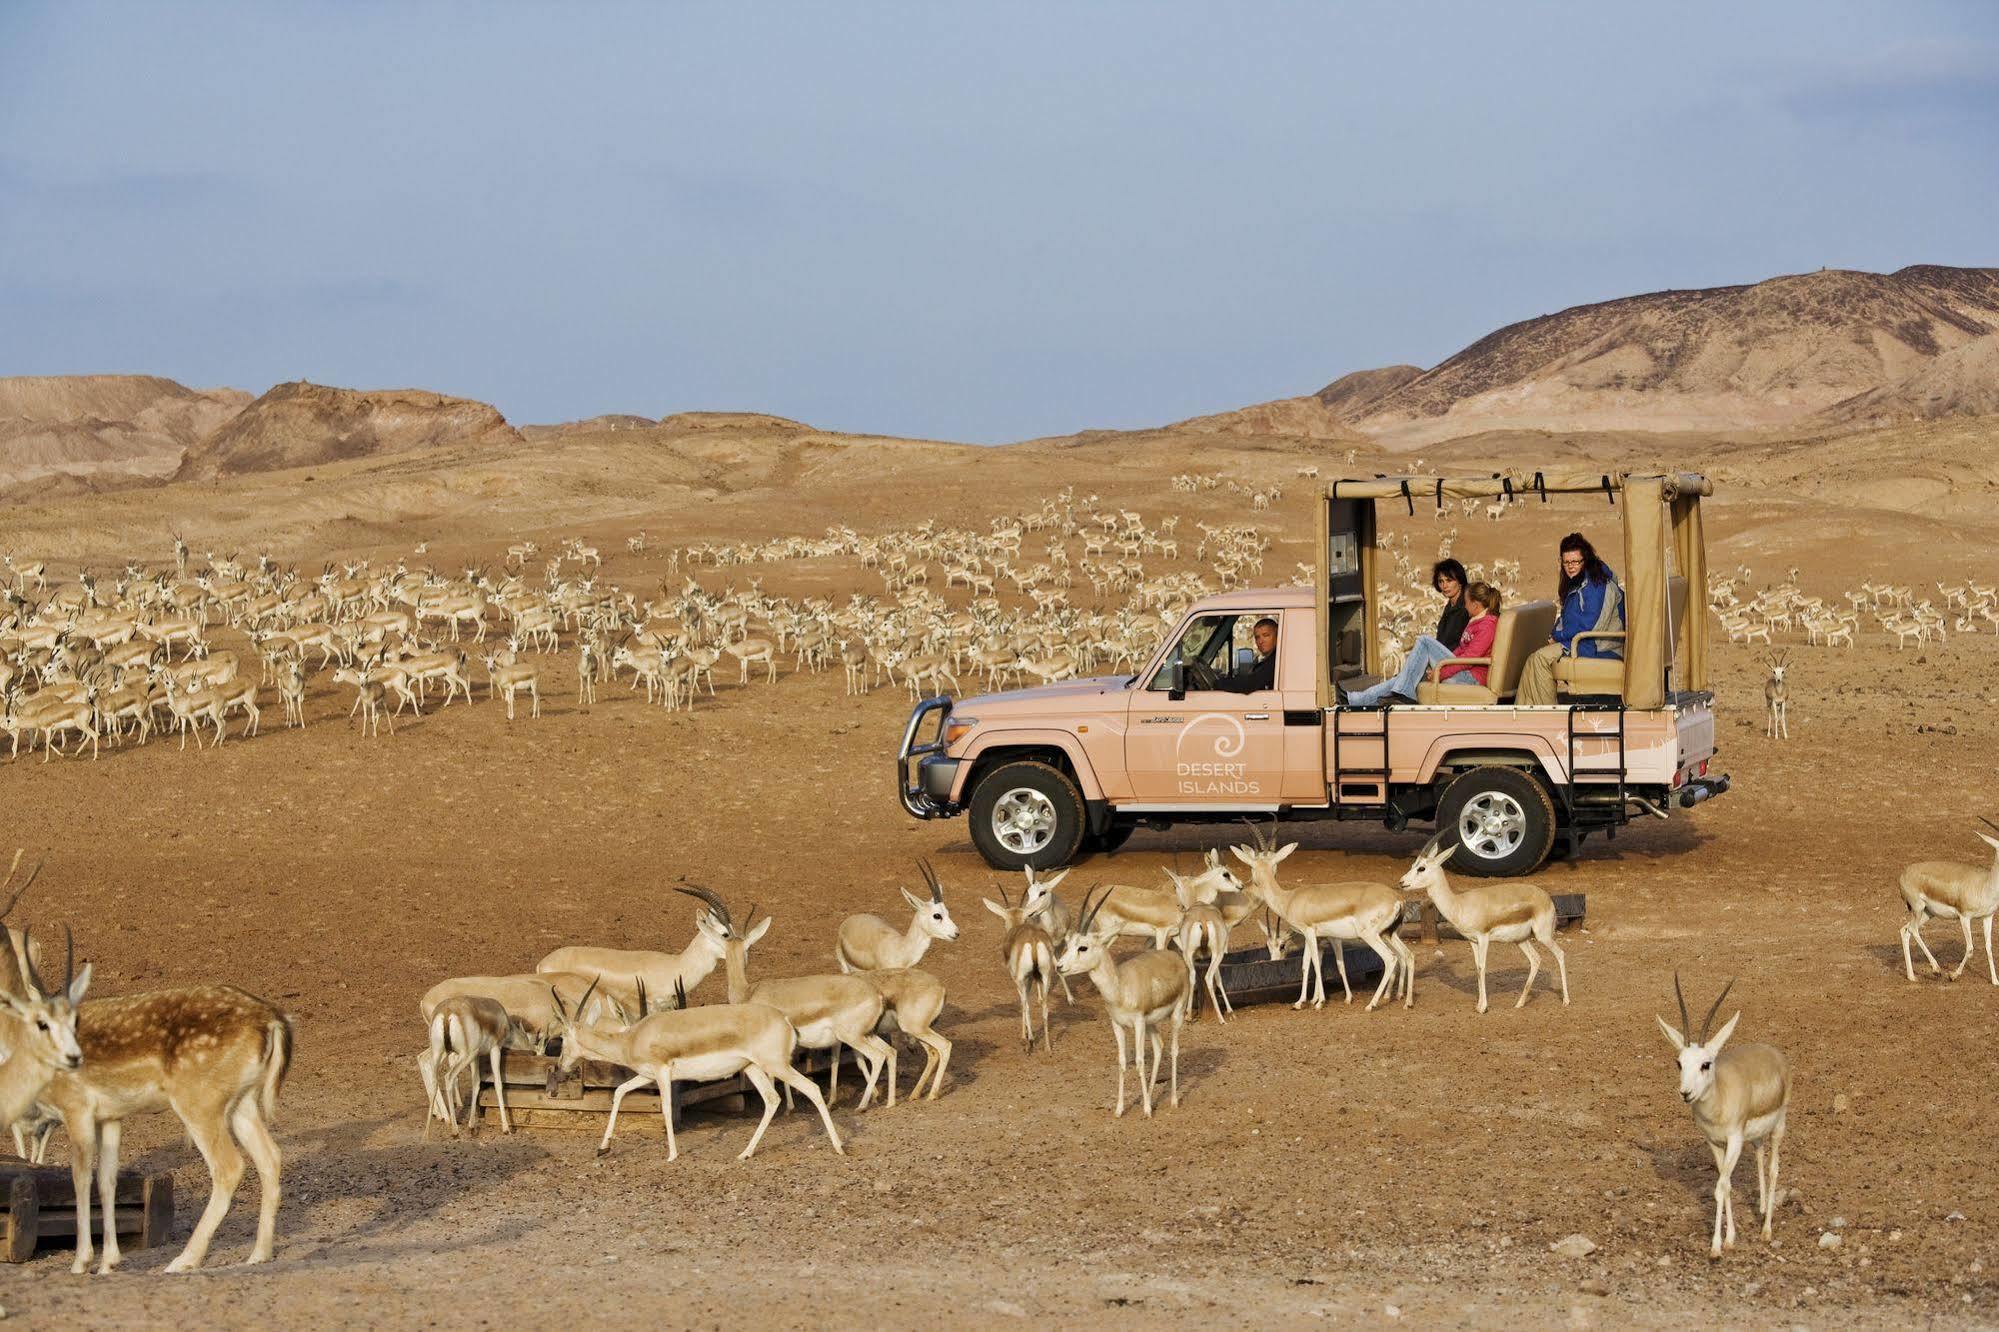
1050, 773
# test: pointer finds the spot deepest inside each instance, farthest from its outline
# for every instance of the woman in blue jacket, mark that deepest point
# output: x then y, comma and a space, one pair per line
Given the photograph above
1591, 602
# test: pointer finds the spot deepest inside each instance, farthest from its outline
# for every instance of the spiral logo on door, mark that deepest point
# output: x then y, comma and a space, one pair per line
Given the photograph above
1228, 741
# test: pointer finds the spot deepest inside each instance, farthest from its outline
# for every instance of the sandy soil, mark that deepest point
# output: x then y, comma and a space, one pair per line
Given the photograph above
1338, 1164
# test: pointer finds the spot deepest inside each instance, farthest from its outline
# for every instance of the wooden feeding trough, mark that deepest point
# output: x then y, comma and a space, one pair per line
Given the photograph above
1250, 977
41, 1208
540, 1095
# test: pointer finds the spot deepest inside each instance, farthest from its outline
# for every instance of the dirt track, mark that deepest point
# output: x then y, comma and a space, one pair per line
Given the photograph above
1324, 1163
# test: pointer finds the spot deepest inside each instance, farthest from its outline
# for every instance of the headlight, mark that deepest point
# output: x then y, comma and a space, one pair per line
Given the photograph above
958, 728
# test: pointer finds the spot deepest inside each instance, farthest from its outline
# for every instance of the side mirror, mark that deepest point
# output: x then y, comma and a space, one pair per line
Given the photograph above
1176, 681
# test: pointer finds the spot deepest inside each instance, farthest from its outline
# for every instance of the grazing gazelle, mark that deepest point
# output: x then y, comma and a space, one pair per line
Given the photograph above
701, 1044
1369, 912
1944, 888
462, 1030
1777, 697
1029, 953
1142, 993
866, 942
1508, 912
1737, 1095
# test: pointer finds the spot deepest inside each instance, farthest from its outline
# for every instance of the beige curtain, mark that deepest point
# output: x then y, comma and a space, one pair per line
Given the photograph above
1646, 647
1690, 549
1370, 568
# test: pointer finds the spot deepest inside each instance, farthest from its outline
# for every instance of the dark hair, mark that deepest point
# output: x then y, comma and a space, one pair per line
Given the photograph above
1265, 620
1594, 568
1486, 595
1454, 570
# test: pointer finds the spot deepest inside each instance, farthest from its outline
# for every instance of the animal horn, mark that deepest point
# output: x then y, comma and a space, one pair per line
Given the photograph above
17, 855
642, 996
583, 1004
1686, 1023
24, 885
28, 959
715, 903
679, 992
1708, 1021
68, 957
1090, 909
930, 876
1004, 899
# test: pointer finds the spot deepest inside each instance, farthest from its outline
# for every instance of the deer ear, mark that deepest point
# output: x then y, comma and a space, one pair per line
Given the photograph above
1721, 1037
1052, 884
1242, 854
1287, 849
757, 931
79, 985
994, 907
1679, 1041
915, 903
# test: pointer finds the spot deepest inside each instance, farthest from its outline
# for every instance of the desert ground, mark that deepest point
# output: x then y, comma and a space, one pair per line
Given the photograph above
1413, 1165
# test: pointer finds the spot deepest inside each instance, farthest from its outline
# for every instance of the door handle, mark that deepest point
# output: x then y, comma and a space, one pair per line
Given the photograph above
1256, 716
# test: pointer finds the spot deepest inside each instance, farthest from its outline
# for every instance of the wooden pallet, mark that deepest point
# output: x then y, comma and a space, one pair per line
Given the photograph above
1250, 977
41, 1208
540, 1095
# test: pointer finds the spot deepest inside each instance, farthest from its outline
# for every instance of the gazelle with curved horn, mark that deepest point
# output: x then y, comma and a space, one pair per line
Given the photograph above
828, 1011
1048, 911
1029, 954
866, 942
1946, 889
1510, 912
622, 969
701, 1044
1143, 993
1738, 1095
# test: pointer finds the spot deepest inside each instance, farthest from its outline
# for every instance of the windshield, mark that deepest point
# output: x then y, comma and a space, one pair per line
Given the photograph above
1222, 643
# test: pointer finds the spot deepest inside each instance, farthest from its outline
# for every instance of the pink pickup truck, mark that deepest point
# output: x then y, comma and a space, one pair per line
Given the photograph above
1050, 773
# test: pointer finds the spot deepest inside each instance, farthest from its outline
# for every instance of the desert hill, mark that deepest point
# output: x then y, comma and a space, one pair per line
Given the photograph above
1724, 358
301, 424
103, 428
1351, 397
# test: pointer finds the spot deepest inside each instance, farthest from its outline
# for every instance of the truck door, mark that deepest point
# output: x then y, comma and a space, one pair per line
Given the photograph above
1214, 744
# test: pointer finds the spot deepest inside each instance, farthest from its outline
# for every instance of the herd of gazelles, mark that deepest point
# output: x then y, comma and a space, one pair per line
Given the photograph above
217, 1056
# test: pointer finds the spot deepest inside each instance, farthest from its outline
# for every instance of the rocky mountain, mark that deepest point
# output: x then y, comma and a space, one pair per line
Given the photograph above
106, 428
301, 424
1768, 354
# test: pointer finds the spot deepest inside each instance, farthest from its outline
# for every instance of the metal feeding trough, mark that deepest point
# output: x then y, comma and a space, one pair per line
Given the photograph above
1250, 977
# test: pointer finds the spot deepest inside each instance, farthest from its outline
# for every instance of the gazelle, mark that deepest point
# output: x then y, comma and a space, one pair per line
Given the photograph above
623, 970
1946, 889
190, 708
291, 690
1048, 911
911, 1000
750, 650
370, 699
1202, 926
1368, 912
462, 1030
1777, 697
1142, 993
827, 1012
508, 675
696, 1045
1738, 1095
1508, 912
1029, 954
866, 942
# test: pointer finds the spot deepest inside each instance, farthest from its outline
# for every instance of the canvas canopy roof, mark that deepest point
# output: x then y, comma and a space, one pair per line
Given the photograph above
1663, 536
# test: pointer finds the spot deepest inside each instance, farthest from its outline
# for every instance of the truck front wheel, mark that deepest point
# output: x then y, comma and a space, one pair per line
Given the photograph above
1026, 813
1501, 819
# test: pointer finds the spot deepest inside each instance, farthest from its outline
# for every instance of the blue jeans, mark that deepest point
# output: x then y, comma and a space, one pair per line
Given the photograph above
1426, 653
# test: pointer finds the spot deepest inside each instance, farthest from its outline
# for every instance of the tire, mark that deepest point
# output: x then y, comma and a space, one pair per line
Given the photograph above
1503, 821
1027, 814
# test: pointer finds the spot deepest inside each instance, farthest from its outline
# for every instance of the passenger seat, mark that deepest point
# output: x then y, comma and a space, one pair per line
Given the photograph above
1522, 629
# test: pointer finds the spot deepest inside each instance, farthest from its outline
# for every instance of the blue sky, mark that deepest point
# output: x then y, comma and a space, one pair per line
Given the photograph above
961, 221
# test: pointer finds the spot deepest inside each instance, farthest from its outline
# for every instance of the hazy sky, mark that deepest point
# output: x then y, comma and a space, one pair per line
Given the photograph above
969, 222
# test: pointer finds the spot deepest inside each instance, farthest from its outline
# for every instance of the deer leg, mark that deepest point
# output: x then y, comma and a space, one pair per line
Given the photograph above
665, 1081
1408, 970
1991, 968
1964, 961
1305, 961
1915, 929
108, 1136
1762, 1181
1533, 970
761, 1080
209, 1128
247, 1121
617, 1099
499, 1091
1478, 962
1776, 1146
1389, 962
1340, 963
82, 1165
1020, 985
1138, 1043
1117, 1030
869, 1045
1724, 1190
1176, 1064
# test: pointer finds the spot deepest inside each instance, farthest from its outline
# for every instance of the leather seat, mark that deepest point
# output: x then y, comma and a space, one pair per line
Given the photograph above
1522, 629
1605, 675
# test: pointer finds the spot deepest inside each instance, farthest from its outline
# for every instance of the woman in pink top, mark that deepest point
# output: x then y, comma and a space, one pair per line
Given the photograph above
1425, 656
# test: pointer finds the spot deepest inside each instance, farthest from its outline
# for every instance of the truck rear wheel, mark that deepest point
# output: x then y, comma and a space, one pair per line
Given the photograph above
1026, 813
1502, 820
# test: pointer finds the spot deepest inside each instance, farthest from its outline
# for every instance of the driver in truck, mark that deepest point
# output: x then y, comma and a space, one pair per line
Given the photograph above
1262, 673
